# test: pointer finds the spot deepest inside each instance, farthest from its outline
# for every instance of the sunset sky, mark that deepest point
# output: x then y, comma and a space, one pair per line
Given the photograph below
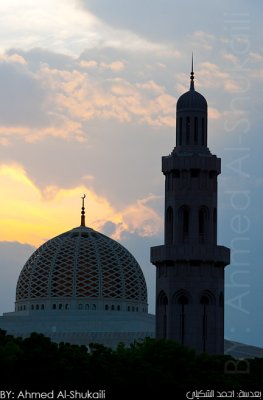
88, 92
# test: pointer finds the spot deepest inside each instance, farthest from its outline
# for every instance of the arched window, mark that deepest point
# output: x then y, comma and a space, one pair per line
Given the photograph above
204, 301
86, 306
93, 306
162, 302
180, 131
196, 131
42, 306
106, 307
118, 308
37, 307
215, 224
169, 225
183, 301
203, 224
185, 222
187, 130
203, 131
112, 307
54, 306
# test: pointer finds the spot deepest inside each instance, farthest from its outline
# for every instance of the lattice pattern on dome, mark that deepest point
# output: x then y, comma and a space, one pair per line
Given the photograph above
87, 280
82, 263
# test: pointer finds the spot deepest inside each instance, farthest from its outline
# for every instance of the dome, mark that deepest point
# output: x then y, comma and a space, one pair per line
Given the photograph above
78, 264
192, 100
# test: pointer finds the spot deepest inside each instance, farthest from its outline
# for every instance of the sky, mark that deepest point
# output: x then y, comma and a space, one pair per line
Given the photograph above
88, 92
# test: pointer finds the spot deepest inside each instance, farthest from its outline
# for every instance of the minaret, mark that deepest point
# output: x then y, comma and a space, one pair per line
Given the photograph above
190, 264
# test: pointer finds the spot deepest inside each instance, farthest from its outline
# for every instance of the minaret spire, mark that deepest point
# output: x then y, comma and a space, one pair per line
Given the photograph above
192, 86
83, 211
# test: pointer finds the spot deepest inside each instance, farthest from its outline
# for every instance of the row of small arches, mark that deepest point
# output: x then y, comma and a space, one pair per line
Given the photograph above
93, 307
55, 306
183, 297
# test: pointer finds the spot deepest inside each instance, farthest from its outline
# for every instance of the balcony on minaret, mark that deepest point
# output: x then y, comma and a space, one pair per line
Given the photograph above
218, 255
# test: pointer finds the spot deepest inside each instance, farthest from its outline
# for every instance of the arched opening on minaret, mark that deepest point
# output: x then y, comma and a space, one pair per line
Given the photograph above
215, 224
184, 222
180, 316
196, 131
203, 132
162, 303
208, 319
180, 131
203, 219
188, 125
169, 225
182, 301
204, 301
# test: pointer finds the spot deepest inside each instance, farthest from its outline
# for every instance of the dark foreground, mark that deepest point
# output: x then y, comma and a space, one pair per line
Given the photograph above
37, 368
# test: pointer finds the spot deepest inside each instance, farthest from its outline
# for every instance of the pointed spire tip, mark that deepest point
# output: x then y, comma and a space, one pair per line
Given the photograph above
83, 211
192, 86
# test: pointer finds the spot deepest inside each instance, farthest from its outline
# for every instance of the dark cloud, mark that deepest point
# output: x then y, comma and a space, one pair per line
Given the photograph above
109, 228
164, 20
21, 96
36, 57
13, 258
157, 20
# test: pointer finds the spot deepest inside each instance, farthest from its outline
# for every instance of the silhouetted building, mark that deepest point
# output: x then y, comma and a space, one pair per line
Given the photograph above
190, 265
81, 287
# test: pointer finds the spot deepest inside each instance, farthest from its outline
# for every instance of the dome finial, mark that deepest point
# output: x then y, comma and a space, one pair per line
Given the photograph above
83, 211
192, 85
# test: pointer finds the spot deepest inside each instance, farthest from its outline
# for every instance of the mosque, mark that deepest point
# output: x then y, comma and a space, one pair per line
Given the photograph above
82, 286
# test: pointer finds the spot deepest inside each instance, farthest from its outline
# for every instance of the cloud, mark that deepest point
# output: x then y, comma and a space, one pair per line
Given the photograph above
80, 96
158, 20
115, 66
21, 96
31, 215
60, 25
204, 39
84, 90
212, 76
231, 58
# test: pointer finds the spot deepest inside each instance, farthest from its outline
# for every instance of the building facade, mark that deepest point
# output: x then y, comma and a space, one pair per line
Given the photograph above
190, 265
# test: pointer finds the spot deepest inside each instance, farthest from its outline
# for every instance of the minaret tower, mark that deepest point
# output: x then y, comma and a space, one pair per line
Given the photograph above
190, 265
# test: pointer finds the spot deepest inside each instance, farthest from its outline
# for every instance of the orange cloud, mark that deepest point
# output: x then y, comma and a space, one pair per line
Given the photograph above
74, 97
115, 66
81, 98
29, 215
68, 130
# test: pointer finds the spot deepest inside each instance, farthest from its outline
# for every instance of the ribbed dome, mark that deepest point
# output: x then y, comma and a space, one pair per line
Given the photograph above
81, 263
192, 100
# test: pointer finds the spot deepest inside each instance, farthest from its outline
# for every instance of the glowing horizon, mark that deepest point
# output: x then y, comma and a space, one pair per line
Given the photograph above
32, 216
